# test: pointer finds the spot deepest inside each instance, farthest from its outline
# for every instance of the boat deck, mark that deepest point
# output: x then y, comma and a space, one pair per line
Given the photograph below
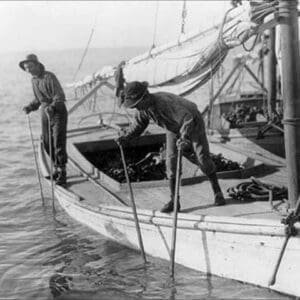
195, 198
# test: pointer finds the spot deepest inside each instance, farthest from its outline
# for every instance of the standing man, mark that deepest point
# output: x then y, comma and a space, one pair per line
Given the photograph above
183, 123
50, 96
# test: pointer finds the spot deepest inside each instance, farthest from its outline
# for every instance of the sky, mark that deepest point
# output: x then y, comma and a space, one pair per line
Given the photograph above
48, 25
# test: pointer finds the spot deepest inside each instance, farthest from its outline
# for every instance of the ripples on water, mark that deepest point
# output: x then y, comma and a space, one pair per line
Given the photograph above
46, 258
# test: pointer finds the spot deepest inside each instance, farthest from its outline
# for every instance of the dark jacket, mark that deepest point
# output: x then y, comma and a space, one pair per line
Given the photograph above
47, 90
169, 111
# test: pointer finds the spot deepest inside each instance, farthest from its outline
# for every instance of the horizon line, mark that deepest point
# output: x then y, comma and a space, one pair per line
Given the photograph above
10, 51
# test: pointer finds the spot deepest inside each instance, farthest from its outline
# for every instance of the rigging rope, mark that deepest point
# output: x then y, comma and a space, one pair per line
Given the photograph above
87, 47
155, 26
183, 17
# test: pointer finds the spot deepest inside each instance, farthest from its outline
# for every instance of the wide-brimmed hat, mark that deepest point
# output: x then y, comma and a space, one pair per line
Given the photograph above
134, 93
29, 58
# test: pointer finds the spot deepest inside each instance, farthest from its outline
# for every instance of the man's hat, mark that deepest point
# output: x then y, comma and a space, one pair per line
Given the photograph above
29, 58
134, 93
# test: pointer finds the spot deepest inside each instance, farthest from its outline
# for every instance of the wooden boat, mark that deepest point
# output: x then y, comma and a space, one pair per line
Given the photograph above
241, 241
245, 241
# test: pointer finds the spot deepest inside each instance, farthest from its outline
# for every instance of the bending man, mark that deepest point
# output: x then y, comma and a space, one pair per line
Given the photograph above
182, 121
50, 96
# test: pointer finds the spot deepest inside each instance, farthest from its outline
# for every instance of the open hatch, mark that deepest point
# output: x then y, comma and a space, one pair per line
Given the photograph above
145, 159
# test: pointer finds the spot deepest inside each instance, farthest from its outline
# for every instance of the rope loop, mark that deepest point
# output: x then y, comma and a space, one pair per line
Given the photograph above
256, 190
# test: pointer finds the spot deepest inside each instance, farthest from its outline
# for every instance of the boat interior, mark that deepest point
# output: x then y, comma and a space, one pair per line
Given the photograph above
237, 118
95, 163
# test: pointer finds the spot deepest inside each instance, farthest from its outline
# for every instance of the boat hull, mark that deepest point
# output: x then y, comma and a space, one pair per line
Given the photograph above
239, 248
220, 246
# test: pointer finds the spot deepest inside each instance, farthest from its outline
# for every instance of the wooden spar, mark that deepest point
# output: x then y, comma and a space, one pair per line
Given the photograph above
288, 19
271, 73
212, 100
89, 94
255, 77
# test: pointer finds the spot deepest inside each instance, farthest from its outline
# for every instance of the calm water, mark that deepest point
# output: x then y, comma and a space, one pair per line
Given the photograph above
46, 258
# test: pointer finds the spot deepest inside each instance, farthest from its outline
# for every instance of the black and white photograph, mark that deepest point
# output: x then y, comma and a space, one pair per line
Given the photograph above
150, 150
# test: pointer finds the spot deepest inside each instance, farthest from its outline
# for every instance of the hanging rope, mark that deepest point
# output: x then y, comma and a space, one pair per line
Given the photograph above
155, 26
86, 48
183, 17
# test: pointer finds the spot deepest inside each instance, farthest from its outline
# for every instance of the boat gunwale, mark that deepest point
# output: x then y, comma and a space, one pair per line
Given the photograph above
185, 221
203, 223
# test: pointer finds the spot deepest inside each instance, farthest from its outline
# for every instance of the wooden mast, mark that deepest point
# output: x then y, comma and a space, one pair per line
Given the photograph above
289, 42
271, 70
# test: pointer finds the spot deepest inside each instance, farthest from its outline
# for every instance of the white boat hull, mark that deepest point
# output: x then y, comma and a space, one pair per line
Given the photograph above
236, 248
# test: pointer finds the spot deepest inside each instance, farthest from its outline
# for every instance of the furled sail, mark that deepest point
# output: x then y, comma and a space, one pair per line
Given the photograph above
186, 64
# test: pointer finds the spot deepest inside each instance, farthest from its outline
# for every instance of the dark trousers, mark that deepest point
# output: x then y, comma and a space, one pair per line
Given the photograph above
197, 150
58, 126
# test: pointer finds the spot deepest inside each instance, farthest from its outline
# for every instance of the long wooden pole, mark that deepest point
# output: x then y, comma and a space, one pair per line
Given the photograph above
290, 231
35, 160
176, 200
288, 19
289, 42
51, 161
136, 220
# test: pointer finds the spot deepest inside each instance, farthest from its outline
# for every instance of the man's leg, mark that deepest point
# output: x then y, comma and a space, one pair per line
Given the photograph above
171, 161
60, 139
208, 167
46, 140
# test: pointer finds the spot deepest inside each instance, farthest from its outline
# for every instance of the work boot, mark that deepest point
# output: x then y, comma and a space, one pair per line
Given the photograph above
169, 207
219, 198
54, 175
62, 177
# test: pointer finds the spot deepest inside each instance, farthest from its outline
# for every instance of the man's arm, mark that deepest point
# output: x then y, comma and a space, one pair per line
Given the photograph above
32, 106
140, 123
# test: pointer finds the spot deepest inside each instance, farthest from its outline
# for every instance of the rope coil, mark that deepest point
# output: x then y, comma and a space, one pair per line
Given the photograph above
256, 190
